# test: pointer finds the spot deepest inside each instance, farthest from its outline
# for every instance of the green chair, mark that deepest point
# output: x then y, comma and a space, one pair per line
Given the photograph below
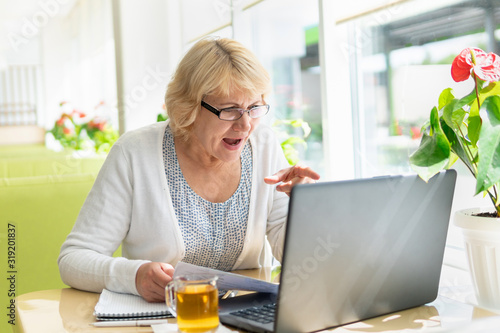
29, 166
37, 213
27, 150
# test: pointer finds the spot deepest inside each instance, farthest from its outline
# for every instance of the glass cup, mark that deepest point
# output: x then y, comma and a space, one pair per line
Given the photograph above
194, 300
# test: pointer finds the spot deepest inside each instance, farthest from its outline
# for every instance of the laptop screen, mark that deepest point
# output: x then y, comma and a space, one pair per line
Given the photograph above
362, 248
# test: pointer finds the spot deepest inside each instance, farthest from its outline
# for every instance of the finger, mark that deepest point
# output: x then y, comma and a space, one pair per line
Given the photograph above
154, 297
304, 172
162, 275
168, 269
271, 180
297, 170
284, 187
153, 283
278, 176
153, 292
158, 295
287, 186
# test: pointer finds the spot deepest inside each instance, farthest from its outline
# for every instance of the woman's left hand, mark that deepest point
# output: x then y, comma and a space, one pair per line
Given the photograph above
292, 176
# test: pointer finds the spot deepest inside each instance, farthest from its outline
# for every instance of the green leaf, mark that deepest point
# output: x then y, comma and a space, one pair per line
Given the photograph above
488, 173
291, 154
456, 144
491, 89
453, 159
474, 120
434, 151
295, 123
302, 124
453, 114
445, 97
288, 147
473, 127
470, 98
161, 117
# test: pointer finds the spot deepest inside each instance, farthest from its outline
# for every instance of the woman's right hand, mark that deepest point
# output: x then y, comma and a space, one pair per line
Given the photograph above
151, 280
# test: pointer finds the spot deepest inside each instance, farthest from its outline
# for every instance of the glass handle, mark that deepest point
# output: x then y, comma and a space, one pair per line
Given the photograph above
170, 298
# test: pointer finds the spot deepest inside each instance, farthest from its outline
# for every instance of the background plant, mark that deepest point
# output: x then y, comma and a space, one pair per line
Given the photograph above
466, 128
292, 133
76, 130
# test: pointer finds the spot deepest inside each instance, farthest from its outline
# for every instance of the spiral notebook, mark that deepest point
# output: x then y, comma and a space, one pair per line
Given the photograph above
116, 306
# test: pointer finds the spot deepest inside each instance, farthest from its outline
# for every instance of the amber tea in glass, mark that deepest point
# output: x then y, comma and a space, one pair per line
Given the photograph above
194, 301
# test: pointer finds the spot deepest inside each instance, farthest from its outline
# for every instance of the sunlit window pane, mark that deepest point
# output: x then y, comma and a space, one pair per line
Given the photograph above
402, 55
287, 44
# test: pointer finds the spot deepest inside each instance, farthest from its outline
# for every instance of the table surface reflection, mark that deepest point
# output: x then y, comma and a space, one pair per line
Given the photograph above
71, 310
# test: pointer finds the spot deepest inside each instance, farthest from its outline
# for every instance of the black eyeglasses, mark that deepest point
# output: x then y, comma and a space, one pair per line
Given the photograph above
229, 114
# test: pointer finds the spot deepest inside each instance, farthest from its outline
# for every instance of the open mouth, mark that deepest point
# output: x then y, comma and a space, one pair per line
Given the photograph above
232, 142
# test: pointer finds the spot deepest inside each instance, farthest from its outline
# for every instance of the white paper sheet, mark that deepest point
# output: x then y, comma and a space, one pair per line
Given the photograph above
227, 281
165, 328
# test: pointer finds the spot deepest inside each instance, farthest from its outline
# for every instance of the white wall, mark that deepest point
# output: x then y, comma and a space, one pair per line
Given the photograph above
75, 39
150, 47
22, 28
78, 59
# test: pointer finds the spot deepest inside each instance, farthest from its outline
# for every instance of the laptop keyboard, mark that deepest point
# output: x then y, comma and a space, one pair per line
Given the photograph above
263, 314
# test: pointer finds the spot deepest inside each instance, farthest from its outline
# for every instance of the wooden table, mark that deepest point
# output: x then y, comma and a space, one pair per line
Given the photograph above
71, 310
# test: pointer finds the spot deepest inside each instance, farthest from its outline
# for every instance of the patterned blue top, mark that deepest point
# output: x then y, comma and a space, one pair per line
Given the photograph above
213, 233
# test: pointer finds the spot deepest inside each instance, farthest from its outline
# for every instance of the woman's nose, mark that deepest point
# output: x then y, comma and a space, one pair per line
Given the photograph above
244, 123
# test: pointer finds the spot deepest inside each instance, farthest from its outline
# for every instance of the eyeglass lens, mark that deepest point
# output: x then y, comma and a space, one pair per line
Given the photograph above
234, 114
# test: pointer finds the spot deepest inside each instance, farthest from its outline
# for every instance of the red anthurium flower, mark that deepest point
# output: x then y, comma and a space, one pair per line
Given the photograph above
485, 66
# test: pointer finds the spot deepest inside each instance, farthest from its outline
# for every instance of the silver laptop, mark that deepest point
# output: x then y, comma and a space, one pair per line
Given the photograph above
353, 250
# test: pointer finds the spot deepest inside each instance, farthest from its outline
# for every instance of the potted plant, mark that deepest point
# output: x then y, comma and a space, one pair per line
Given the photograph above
76, 130
468, 128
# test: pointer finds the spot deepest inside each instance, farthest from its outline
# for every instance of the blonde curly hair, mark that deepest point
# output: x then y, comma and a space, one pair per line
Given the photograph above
213, 66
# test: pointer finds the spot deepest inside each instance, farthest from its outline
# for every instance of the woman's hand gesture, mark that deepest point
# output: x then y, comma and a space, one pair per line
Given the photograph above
292, 176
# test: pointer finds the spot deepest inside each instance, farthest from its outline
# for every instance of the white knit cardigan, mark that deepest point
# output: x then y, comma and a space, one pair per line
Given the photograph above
130, 204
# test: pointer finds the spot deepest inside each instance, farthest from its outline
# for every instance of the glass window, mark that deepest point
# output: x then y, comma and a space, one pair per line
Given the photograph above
201, 18
287, 44
402, 56
400, 60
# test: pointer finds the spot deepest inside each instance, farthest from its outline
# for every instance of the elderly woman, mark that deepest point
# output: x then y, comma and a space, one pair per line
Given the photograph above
195, 188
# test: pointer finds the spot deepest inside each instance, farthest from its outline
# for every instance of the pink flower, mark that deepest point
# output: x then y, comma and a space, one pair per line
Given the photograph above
79, 114
415, 132
97, 123
62, 119
473, 60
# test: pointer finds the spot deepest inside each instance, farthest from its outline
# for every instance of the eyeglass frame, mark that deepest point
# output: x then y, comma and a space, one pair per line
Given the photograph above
218, 112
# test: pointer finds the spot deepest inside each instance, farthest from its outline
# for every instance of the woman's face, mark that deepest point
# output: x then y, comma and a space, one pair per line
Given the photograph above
221, 139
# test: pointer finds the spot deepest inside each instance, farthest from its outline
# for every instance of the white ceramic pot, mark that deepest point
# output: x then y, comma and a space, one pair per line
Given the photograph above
482, 245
